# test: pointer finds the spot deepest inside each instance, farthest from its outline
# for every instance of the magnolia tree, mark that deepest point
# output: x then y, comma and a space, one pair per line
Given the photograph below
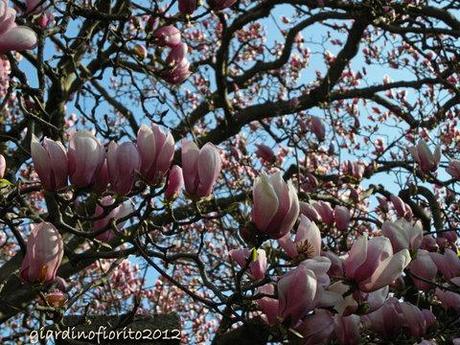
276, 171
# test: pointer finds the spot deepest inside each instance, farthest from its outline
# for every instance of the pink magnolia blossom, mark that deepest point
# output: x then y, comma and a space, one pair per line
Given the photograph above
296, 293
386, 321
256, 267
415, 320
45, 250
167, 36
156, 149
427, 161
448, 263
177, 74
13, 37
266, 153
102, 178
448, 299
268, 305
317, 127
50, 161
402, 209
372, 264
120, 211
86, 156
346, 329
201, 168
123, 162
175, 182
342, 217
317, 329
403, 234
424, 267
325, 211
276, 205
307, 242
454, 169
177, 54
309, 211
2, 166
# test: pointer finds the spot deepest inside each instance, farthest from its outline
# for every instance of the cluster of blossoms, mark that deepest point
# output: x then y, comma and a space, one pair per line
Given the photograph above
326, 296
12, 36
177, 66
87, 163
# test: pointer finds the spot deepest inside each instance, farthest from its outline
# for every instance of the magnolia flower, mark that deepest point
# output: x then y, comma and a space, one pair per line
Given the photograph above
13, 37
116, 213
276, 205
256, 267
347, 329
296, 293
424, 267
448, 263
307, 242
372, 264
342, 217
325, 212
156, 149
44, 253
317, 328
266, 153
175, 182
403, 234
454, 169
123, 161
167, 36
268, 305
86, 156
402, 209
50, 161
427, 161
317, 127
201, 168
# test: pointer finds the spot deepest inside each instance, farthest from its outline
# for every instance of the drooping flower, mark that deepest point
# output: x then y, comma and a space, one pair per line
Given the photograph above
44, 253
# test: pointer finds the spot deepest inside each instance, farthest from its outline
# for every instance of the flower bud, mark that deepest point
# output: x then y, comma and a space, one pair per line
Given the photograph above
342, 217
175, 182
116, 213
140, 51
266, 153
44, 253
256, 267
156, 149
317, 127
427, 161
123, 162
86, 156
167, 36
201, 168
50, 161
